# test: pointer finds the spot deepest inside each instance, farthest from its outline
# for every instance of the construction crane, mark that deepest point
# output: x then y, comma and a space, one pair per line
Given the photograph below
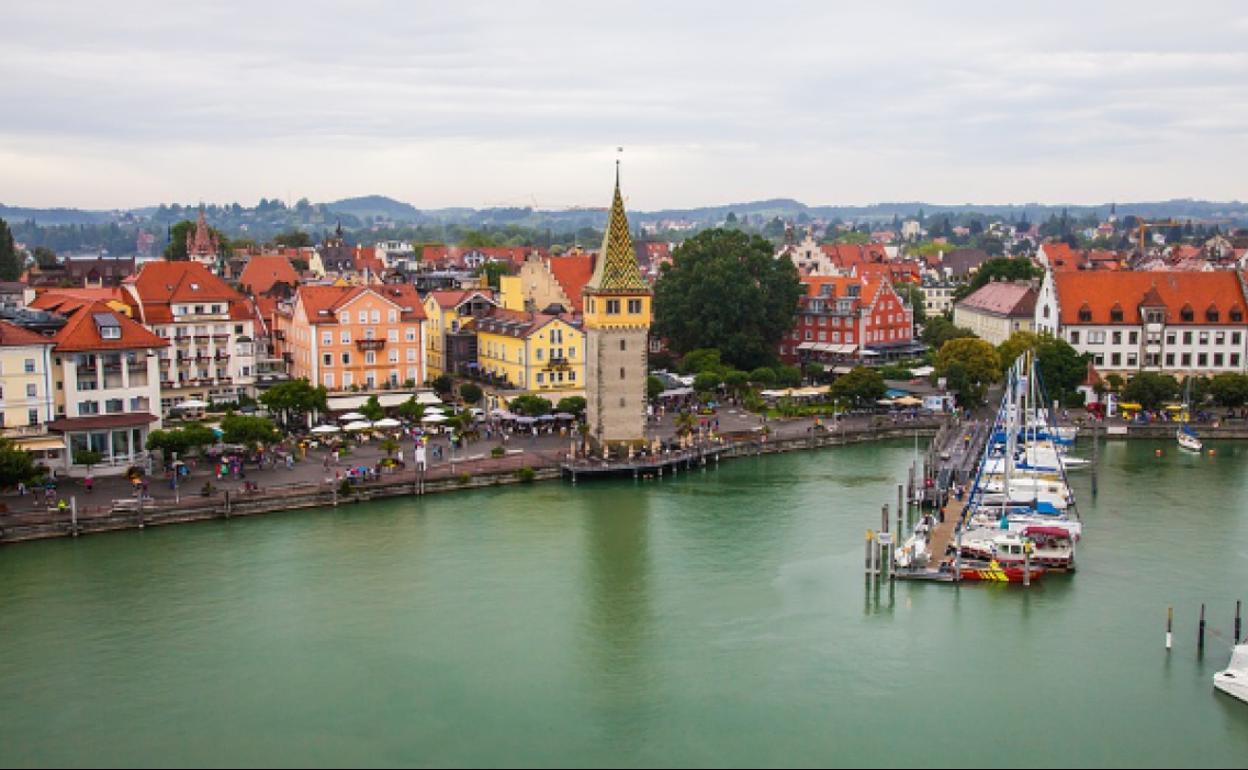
1146, 225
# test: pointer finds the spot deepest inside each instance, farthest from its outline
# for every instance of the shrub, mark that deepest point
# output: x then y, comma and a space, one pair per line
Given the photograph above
526, 475
497, 451
463, 478
344, 488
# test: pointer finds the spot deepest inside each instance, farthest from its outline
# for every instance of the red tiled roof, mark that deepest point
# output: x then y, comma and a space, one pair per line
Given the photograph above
450, 299
12, 336
1012, 300
572, 272
80, 332
161, 283
264, 270
1099, 291
1062, 257
518, 323
330, 298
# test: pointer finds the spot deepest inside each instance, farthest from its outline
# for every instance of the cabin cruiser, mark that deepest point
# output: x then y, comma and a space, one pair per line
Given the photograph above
1233, 680
1051, 547
1188, 440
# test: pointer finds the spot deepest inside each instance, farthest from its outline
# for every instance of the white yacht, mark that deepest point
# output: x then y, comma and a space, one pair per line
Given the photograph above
1234, 679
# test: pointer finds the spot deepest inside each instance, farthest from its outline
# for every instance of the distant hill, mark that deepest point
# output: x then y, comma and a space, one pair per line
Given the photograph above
368, 207
57, 216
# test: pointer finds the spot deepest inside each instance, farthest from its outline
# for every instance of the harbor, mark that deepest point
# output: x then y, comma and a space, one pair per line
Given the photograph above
593, 624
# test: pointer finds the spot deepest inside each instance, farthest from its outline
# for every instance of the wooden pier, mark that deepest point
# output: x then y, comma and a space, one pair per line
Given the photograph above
645, 465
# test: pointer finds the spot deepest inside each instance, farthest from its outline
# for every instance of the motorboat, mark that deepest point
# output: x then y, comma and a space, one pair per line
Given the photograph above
995, 572
1051, 547
1233, 680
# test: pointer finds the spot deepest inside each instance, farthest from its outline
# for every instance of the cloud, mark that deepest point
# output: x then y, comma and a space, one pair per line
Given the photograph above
136, 102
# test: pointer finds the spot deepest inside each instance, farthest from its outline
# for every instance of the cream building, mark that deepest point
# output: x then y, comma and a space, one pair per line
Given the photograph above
997, 310
26, 403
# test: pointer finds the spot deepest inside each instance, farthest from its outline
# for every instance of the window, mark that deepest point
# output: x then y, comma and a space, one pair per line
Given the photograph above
411, 335
613, 307
327, 359
393, 335
1187, 359
376, 316
1096, 338
88, 407
1202, 359
1171, 337
539, 378
1212, 314
621, 403
363, 316
623, 374
1187, 338
571, 353
539, 354
572, 376
1099, 359
327, 338
1115, 359
411, 355
394, 355
370, 357
624, 346
634, 306
1235, 359
32, 416
344, 317
114, 406
347, 379
1117, 338
329, 380
370, 333
346, 360
32, 390
1169, 359
1085, 314
345, 337
1133, 338
393, 316
1217, 359
1204, 338
1131, 359
29, 365
1186, 314
1074, 337
1219, 338
1237, 315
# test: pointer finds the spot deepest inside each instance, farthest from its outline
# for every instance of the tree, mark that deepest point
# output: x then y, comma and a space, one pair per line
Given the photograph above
296, 397
725, 290
1000, 269
10, 262
939, 330
470, 392
1150, 389
175, 250
87, 457
44, 257
412, 410
654, 386
16, 465
977, 366
493, 271
1114, 381
443, 384
860, 386
248, 430
1229, 389
573, 405
707, 381
735, 380
532, 406
700, 360
372, 409
763, 376
913, 295
1061, 367
815, 371
788, 376
293, 239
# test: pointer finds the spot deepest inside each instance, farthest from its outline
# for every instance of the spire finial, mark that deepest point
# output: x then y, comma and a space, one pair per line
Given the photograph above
619, 151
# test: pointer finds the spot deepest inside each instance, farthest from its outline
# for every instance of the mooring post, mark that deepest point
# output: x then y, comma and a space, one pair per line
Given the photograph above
73, 520
957, 553
1200, 633
883, 547
1027, 564
1238, 627
1169, 628
1096, 443
867, 560
901, 511
227, 503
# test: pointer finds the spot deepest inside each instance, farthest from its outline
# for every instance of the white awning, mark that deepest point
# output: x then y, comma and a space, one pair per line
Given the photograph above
828, 347
347, 403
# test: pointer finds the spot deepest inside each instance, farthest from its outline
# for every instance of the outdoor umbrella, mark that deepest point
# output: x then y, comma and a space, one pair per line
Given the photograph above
358, 425
908, 401
564, 416
192, 403
434, 410
433, 418
326, 429
352, 416
387, 422
884, 402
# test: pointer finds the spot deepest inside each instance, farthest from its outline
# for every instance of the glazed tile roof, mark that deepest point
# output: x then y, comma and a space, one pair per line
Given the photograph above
617, 269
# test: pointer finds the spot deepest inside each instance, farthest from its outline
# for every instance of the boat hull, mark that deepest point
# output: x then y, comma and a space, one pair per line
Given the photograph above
995, 573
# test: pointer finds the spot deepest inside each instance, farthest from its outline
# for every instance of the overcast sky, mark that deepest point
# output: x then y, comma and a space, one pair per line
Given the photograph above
126, 103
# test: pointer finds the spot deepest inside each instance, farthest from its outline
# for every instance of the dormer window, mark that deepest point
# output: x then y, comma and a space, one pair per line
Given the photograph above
107, 325
1115, 314
1085, 314
1211, 314
1237, 315
1187, 314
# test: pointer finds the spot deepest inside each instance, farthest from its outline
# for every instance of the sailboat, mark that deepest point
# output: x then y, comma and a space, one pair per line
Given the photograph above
1187, 437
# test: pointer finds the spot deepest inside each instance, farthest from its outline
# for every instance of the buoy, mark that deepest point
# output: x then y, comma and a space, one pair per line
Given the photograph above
1212, 452
1157, 452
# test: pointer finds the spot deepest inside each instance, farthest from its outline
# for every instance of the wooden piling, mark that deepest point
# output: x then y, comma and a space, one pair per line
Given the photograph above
1026, 564
227, 503
901, 510
1169, 628
73, 518
1238, 626
867, 563
1200, 633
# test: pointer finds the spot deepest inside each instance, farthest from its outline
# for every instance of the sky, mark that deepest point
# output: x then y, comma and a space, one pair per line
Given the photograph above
132, 103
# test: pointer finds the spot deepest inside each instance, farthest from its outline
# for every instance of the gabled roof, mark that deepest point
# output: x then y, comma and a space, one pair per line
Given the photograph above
517, 323
1010, 300
14, 336
264, 270
322, 303
81, 331
162, 283
572, 272
1099, 291
451, 299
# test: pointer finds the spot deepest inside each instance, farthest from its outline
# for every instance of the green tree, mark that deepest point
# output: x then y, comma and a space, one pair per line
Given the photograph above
763, 376
412, 410
1114, 381
16, 465
913, 295
707, 381
1000, 269
293, 239
494, 270
10, 261
700, 360
372, 409
861, 386
736, 380
175, 250
788, 376
44, 257
87, 457
248, 430
532, 406
724, 289
471, 393
573, 405
1061, 367
294, 399
1229, 389
1150, 389
443, 384
939, 330
654, 386
977, 366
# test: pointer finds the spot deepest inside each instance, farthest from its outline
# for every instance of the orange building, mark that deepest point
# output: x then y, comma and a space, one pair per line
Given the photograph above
346, 337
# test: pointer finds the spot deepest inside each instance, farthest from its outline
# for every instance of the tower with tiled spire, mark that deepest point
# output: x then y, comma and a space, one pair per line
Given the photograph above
202, 245
617, 328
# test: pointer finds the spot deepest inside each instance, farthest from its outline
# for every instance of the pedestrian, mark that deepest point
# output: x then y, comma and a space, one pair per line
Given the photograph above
21, 488
89, 483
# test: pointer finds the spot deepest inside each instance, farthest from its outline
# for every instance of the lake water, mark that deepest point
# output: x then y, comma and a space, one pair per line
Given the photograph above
718, 618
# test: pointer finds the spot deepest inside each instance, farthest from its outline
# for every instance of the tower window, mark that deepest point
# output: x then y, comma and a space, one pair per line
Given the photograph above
634, 306
621, 403
622, 375
613, 307
622, 345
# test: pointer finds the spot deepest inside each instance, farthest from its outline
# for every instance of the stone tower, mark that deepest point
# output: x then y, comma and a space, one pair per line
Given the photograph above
617, 328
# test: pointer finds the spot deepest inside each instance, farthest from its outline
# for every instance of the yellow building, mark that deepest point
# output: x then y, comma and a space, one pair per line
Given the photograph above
26, 391
450, 343
531, 353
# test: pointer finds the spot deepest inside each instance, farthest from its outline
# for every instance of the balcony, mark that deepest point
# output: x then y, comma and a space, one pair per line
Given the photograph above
24, 431
220, 338
280, 334
366, 345
182, 339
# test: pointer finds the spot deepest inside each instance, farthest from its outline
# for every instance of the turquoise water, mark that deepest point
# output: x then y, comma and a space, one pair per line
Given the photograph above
719, 618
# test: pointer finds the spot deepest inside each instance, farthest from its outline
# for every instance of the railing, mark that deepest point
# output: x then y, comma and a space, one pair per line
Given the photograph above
364, 345
24, 430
